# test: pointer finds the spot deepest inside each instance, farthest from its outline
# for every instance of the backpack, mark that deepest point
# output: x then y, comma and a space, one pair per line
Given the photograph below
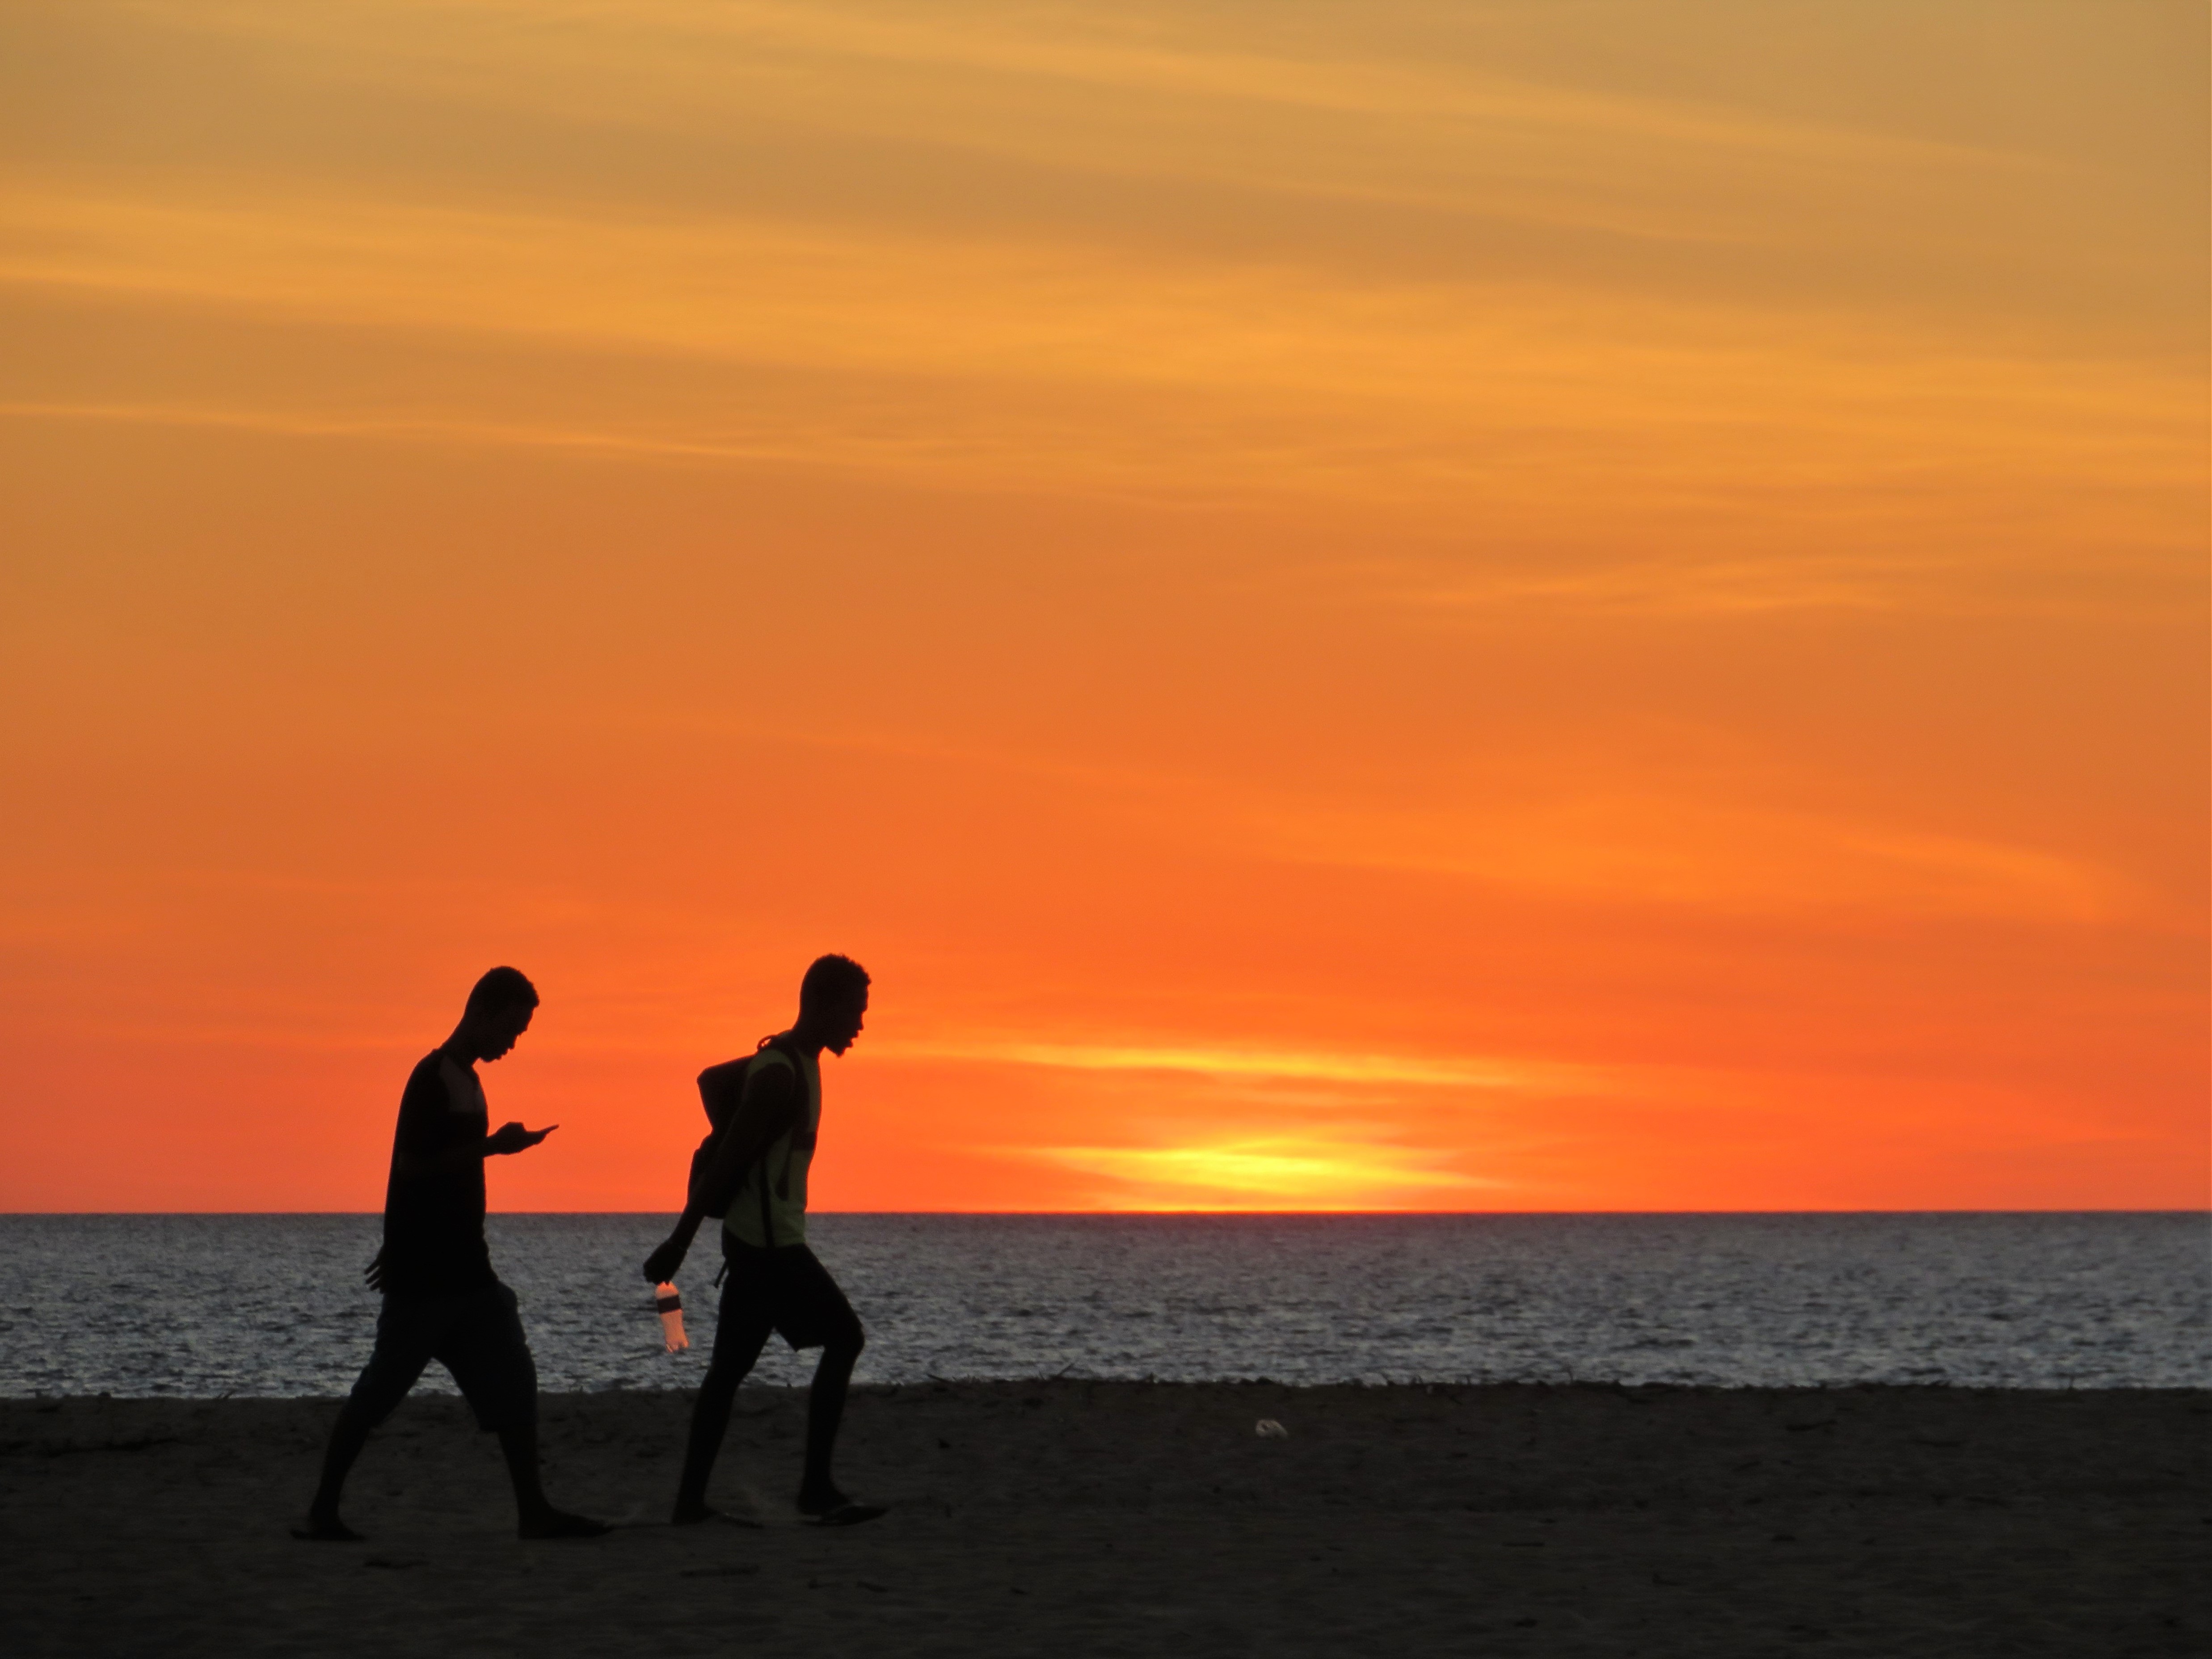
720, 1088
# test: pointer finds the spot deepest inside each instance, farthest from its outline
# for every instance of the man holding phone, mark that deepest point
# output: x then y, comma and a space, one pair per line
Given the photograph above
441, 1299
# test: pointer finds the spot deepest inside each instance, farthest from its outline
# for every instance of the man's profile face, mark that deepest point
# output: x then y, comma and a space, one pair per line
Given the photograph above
845, 1020
504, 1027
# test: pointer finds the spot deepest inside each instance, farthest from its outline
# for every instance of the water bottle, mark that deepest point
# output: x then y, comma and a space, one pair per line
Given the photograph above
669, 1306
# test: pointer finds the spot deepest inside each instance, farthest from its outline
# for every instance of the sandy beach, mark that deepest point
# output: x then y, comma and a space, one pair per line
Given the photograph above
1104, 1518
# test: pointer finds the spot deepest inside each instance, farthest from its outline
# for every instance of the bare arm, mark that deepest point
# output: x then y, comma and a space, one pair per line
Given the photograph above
508, 1138
770, 1109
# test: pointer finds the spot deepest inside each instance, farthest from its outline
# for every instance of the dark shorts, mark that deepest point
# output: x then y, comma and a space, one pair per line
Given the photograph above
786, 1291
477, 1335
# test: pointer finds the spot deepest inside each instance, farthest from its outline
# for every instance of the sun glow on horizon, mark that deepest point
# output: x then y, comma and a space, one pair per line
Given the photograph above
1273, 1174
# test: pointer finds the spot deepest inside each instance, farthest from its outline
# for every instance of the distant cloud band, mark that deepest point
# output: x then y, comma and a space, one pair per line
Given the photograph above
1296, 1064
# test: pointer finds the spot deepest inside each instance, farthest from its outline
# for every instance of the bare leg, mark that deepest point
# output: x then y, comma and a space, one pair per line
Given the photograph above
520, 1446
403, 1348
534, 1517
825, 1411
348, 1436
710, 1418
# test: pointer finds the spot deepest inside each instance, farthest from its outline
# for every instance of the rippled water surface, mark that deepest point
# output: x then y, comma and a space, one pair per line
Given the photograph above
203, 1305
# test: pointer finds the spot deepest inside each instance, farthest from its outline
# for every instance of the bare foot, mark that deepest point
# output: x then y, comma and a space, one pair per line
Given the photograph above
692, 1515
326, 1529
848, 1514
558, 1523
826, 1506
820, 1500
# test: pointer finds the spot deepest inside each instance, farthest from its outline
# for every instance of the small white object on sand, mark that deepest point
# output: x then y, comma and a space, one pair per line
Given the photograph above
1267, 1429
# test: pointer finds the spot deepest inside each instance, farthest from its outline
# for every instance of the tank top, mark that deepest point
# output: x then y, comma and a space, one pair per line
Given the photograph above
782, 1169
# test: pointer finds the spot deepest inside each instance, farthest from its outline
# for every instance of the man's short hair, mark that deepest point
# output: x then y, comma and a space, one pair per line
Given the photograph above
832, 979
502, 988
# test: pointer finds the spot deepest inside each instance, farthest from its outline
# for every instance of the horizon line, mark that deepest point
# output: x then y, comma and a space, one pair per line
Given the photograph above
2205, 1211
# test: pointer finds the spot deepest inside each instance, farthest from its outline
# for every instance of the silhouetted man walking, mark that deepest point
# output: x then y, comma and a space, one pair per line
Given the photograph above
768, 1109
441, 1299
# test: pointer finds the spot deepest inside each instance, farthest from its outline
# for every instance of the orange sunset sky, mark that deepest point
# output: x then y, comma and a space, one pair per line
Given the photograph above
1397, 605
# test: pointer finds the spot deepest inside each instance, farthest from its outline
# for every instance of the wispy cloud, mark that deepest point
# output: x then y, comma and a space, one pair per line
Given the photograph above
1026, 356
1253, 1061
1182, 93
766, 443
1708, 854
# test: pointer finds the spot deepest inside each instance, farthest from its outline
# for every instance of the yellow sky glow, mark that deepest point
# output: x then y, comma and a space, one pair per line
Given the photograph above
1279, 1174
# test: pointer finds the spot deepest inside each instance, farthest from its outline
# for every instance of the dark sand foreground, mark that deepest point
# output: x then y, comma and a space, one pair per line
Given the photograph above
1073, 1518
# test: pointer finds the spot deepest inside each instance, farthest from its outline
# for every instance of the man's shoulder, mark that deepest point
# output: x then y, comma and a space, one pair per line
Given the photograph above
773, 1067
427, 1081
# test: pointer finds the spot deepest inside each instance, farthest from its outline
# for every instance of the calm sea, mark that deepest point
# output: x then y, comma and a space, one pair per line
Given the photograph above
204, 1306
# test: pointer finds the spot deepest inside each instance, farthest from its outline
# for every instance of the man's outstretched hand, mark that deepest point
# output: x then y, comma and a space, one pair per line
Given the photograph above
513, 1138
661, 1267
372, 1274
